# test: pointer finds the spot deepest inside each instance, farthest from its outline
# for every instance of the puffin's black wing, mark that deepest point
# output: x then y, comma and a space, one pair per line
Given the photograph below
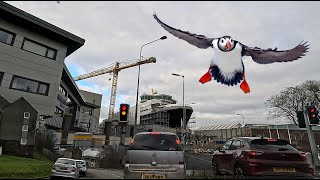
197, 40
268, 56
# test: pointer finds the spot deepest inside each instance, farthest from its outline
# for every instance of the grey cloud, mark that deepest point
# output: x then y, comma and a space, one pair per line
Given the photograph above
115, 31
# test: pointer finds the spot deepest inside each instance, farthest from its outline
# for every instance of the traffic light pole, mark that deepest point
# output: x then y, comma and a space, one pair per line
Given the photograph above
123, 133
312, 141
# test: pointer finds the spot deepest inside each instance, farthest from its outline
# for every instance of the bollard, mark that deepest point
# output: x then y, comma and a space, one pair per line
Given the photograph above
0, 150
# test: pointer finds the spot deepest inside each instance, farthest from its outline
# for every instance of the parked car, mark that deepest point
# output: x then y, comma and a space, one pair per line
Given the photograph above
209, 151
155, 155
254, 156
83, 167
65, 167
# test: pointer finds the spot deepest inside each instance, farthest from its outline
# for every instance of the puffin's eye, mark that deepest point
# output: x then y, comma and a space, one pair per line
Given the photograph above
222, 40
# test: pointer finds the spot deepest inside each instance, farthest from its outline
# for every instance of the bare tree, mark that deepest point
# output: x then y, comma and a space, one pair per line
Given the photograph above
292, 99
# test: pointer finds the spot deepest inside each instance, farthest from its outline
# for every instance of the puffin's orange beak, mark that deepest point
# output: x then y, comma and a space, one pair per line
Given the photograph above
228, 45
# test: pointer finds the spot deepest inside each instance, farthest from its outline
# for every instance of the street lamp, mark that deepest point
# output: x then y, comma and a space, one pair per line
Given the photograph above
242, 118
183, 127
136, 115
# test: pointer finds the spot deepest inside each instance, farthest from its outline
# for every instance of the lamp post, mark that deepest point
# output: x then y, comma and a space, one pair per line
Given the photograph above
183, 127
242, 118
136, 114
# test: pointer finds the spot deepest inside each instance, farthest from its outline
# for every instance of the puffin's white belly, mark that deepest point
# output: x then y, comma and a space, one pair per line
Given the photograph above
228, 62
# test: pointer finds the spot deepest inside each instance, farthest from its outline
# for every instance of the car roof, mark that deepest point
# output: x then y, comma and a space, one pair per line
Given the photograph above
167, 133
67, 159
248, 139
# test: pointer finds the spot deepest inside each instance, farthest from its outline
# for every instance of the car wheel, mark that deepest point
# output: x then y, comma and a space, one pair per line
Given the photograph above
239, 172
215, 168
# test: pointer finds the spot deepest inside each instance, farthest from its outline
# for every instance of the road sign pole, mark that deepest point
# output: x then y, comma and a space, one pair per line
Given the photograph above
312, 141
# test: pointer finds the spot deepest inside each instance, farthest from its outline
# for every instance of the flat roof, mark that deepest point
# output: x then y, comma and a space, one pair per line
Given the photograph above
28, 21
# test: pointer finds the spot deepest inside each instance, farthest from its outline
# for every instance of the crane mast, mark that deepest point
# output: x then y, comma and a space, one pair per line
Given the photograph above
114, 68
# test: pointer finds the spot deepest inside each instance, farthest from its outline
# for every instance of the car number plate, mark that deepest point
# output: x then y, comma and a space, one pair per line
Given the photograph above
284, 170
153, 176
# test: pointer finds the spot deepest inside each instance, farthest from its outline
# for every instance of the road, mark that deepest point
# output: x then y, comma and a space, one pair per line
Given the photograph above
198, 161
103, 174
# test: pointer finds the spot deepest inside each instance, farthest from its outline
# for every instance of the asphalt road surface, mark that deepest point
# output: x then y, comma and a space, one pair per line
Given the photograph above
103, 174
198, 161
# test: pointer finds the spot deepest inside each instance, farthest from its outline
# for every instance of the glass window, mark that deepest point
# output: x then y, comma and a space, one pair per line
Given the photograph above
43, 88
235, 145
226, 146
25, 128
23, 141
272, 145
35, 48
6, 37
24, 84
158, 142
1, 77
39, 49
50, 54
28, 85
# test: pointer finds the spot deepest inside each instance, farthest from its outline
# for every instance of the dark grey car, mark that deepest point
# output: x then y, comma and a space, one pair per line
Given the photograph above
155, 155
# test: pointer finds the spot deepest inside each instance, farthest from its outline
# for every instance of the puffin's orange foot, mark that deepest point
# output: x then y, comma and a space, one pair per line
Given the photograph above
245, 87
205, 78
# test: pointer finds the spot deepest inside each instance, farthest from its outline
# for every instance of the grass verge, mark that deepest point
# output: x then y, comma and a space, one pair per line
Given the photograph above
15, 167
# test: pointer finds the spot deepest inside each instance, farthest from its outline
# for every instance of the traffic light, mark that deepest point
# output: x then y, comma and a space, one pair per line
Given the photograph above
301, 121
124, 110
312, 112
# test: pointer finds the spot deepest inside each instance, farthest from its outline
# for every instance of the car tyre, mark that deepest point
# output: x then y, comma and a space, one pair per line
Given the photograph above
215, 168
239, 172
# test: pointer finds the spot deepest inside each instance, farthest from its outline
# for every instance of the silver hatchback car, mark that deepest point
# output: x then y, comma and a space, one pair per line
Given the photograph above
65, 167
155, 155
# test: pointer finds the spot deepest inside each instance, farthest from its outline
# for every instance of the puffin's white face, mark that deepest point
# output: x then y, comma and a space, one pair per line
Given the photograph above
226, 43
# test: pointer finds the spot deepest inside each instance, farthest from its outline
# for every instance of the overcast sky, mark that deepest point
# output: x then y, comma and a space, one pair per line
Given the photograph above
115, 31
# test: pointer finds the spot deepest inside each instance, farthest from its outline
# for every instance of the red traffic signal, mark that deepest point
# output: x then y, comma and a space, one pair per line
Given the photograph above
124, 110
313, 115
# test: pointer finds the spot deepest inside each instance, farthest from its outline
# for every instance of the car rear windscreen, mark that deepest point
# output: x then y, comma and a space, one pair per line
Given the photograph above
272, 145
158, 142
65, 161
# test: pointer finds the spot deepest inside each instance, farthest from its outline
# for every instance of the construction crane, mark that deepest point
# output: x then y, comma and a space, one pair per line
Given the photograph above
114, 68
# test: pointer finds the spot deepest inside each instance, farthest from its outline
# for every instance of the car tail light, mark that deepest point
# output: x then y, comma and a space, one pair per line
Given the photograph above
253, 154
303, 156
132, 141
272, 140
178, 141
73, 169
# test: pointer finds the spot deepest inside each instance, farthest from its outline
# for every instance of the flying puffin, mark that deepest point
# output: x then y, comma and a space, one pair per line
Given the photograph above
227, 67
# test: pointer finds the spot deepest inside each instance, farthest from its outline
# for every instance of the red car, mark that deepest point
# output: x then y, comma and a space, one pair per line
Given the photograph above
255, 156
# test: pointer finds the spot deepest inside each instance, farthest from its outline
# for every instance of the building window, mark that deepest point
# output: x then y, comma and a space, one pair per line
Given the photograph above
59, 112
62, 90
23, 141
26, 115
25, 128
28, 85
39, 49
1, 77
6, 37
